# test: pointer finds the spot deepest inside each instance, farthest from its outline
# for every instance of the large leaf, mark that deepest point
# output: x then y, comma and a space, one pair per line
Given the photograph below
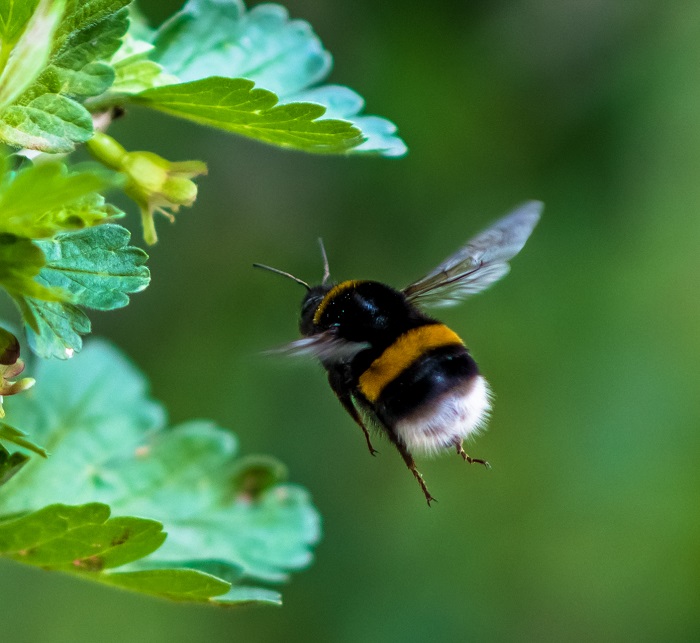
234, 105
108, 444
219, 38
97, 268
48, 116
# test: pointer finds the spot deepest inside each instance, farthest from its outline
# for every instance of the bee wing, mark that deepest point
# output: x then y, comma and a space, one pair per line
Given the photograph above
326, 346
483, 261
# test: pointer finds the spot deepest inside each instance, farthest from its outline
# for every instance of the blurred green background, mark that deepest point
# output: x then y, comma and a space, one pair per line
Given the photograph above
588, 525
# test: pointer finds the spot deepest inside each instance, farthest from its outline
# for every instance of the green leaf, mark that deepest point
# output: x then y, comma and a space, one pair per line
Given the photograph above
54, 329
81, 538
48, 115
176, 584
23, 60
95, 265
234, 105
220, 38
97, 268
109, 444
84, 540
40, 200
134, 72
10, 434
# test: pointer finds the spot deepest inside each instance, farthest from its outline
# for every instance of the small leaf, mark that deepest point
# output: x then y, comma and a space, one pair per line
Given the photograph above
30, 53
10, 434
134, 72
48, 115
41, 200
54, 328
176, 584
95, 267
234, 105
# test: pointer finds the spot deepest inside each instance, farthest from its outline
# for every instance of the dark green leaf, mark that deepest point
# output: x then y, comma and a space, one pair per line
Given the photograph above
10, 463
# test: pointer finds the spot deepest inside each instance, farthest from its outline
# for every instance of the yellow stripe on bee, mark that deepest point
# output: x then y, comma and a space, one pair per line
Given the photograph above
332, 294
408, 348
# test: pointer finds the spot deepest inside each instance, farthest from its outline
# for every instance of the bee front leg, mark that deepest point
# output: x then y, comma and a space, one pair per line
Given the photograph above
467, 457
338, 386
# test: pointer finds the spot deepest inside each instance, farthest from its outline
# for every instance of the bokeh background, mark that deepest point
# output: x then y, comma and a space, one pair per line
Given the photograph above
588, 525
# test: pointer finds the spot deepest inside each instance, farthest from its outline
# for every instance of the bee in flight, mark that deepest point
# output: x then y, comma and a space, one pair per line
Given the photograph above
394, 367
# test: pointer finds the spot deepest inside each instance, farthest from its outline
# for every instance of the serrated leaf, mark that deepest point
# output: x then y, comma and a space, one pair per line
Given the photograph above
48, 123
233, 104
54, 328
220, 38
95, 267
48, 115
44, 199
29, 55
109, 444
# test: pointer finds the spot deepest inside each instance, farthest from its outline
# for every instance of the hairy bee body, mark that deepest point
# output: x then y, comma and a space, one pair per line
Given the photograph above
390, 362
415, 377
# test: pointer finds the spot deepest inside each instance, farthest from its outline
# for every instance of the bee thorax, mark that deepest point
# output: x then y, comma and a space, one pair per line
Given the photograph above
455, 415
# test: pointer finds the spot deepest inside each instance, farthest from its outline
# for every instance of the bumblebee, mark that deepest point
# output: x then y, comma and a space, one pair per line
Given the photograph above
394, 367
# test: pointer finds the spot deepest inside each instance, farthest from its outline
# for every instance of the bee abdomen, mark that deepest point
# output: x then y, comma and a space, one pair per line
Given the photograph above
427, 389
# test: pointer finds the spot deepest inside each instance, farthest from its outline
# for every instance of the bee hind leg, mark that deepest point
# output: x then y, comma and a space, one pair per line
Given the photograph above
411, 464
467, 457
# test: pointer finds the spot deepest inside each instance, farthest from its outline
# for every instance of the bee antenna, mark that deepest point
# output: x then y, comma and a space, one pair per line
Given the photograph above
284, 274
326, 268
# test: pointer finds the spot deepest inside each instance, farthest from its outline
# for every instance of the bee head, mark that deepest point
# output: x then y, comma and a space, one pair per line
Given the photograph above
312, 300
314, 295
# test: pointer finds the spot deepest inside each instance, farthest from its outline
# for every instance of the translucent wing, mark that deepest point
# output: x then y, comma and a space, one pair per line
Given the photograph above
483, 261
326, 346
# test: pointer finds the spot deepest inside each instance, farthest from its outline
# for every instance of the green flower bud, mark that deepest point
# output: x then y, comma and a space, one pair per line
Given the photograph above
156, 184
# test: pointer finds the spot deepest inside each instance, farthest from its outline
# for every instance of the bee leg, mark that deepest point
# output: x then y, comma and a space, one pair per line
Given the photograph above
411, 464
468, 458
346, 400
